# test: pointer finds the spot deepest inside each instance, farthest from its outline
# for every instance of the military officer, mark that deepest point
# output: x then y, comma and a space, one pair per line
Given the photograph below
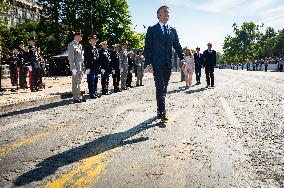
76, 58
13, 67
34, 65
91, 62
115, 66
21, 58
124, 65
104, 61
130, 56
140, 67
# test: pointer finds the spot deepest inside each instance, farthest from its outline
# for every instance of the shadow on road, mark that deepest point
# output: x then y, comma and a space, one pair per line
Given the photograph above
100, 145
186, 90
38, 108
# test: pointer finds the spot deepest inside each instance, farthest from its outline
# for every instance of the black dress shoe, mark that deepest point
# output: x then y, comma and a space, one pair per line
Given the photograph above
207, 86
93, 96
77, 101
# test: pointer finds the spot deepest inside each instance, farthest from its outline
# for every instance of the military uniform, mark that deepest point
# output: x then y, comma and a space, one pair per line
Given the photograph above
32, 58
21, 58
76, 58
91, 61
115, 66
104, 61
140, 69
130, 70
124, 67
13, 68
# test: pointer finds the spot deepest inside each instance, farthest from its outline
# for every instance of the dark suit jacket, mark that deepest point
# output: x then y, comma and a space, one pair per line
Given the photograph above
158, 46
115, 61
198, 60
104, 60
209, 59
91, 57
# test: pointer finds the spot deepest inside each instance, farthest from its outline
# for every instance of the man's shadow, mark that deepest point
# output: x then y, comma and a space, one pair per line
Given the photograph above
100, 145
186, 90
37, 108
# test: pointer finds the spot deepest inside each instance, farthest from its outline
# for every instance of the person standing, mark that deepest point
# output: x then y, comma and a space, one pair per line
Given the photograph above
21, 58
34, 65
198, 59
160, 39
76, 58
124, 65
209, 56
104, 62
188, 67
115, 66
140, 68
130, 69
91, 62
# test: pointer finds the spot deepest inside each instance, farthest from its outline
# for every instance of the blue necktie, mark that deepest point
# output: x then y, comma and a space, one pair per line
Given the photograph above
165, 29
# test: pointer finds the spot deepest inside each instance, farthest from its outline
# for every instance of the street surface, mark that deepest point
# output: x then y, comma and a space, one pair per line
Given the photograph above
229, 136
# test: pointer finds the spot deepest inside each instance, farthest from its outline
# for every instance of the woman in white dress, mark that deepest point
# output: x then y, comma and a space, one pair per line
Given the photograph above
188, 67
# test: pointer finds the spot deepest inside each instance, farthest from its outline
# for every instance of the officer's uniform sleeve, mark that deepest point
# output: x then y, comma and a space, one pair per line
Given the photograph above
71, 56
177, 45
87, 57
148, 47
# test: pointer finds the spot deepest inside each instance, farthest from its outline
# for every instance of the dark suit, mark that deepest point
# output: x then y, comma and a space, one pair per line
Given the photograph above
115, 62
91, 61
209, 64
158, 53
104, 61
198, 59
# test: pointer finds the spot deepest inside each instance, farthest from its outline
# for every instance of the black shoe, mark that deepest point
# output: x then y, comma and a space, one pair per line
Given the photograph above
77, 101
207, 86
197, 83
141, 85
93, 96
212, 86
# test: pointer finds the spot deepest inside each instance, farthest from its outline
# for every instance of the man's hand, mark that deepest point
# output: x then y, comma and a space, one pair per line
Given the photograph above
113, 71
74, 72
87, 71
150, 69
103, 71
30, 68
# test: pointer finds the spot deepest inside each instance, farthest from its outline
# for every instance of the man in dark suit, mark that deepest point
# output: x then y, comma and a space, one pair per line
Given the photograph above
209, 56
160, 39
104, 62
198, 59
91, 62
115, 66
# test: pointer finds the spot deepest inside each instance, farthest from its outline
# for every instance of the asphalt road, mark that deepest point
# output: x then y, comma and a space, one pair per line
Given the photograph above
229, 136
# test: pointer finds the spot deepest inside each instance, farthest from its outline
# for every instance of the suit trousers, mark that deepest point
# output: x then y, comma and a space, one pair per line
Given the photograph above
209, 71
124, 78
161, 77
76, 81
92, 79
104, 82
198, 74
116, 80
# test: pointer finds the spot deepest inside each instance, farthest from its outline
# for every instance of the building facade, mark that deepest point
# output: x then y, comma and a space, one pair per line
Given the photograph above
22, 11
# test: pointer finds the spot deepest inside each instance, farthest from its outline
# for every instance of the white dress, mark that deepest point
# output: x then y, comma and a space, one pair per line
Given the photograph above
189, 64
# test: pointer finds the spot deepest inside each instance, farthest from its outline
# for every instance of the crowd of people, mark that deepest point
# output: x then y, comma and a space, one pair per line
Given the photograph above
25, 62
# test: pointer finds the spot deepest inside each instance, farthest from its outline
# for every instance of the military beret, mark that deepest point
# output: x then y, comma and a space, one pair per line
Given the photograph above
31, 38
92, 37
77, 32
20, 42
103, 42
115, 45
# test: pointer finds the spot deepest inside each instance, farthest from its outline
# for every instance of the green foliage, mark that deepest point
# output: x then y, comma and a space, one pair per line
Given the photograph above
249, 43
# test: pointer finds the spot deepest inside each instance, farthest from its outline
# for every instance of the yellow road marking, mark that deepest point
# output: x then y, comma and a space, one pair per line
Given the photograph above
84, 175
28, 140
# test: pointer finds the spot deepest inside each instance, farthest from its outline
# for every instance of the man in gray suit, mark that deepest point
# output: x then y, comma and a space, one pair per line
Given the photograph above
160, 39
124, 65
76, 58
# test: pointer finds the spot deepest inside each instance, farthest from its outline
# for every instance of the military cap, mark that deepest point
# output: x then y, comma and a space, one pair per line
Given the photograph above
116, 45
31, 38
103, 42
126, 42
92, 37
20, 42
77, 32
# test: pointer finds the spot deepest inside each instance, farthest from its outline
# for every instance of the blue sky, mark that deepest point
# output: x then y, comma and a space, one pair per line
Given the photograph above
203, 21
